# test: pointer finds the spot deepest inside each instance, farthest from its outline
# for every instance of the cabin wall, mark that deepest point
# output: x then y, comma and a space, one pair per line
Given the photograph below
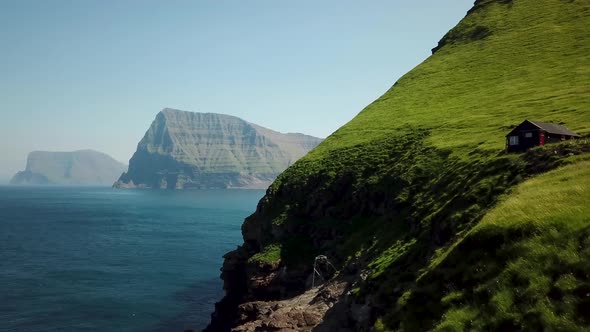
552, 138
525, 126
529, 136
524, 142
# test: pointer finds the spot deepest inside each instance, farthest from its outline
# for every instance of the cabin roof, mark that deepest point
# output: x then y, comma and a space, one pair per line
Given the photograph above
551, 128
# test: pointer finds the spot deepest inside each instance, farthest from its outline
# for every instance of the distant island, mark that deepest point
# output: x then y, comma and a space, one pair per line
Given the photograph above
76, 168
187, 150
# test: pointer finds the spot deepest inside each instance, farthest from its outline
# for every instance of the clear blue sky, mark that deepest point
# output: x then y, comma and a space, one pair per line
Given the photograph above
93, 74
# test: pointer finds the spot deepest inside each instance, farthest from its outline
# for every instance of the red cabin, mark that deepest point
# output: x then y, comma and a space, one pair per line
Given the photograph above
534, 133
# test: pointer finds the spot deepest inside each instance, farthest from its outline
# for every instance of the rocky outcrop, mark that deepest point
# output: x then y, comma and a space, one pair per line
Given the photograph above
28, 177
467, 34
186, 150
85, 167
306, 312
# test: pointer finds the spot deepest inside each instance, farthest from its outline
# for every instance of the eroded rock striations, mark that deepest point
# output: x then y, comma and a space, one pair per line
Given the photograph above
186, 150
84, 167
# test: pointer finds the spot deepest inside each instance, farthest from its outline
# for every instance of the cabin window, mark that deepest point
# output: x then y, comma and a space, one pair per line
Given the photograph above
513, 140
528, 135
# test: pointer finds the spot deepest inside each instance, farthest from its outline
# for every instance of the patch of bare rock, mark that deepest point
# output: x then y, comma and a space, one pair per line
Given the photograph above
306, 312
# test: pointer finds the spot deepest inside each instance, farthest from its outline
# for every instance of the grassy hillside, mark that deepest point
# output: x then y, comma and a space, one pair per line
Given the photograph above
534, 62
416, 192
539, 275
526, 265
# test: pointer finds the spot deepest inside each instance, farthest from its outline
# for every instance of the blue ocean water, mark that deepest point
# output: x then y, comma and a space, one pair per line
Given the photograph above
100, 259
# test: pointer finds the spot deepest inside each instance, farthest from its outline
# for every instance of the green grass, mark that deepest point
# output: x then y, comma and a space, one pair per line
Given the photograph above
526, 265
271, 254
408, 190
557, 197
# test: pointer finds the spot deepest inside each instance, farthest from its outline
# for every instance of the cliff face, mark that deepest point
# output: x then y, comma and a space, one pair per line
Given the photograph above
85, 167
401, 199
183, 150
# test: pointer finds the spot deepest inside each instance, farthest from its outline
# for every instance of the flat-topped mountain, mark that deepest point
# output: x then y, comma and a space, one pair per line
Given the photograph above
183, 150
84, 167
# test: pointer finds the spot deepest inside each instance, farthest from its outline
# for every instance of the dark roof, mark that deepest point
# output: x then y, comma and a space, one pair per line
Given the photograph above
552, 128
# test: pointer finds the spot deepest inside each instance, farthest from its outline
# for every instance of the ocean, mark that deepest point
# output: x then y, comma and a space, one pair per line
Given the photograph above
101, 259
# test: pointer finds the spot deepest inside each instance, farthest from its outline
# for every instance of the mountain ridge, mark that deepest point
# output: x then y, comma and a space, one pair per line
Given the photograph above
184, 150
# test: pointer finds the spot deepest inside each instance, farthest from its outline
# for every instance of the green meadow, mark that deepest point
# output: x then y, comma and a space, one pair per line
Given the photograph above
534, 63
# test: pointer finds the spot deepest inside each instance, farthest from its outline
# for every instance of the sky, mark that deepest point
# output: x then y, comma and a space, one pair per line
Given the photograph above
93, 74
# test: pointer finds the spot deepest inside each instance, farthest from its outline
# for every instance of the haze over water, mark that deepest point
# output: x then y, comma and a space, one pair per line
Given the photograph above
98, 259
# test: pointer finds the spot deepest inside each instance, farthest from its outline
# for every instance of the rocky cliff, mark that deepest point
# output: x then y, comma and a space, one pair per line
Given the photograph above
85, 167
183, 150
427, 224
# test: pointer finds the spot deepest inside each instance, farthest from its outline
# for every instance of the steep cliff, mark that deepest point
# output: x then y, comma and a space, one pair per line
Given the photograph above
183, 150
425, 218
85, 167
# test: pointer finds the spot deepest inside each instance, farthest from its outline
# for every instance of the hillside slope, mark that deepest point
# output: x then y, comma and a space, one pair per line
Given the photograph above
184, 150
401, 199
524, 266
84, 167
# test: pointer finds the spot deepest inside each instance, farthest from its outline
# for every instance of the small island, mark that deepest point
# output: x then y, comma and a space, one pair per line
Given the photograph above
186, 150
76, 168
